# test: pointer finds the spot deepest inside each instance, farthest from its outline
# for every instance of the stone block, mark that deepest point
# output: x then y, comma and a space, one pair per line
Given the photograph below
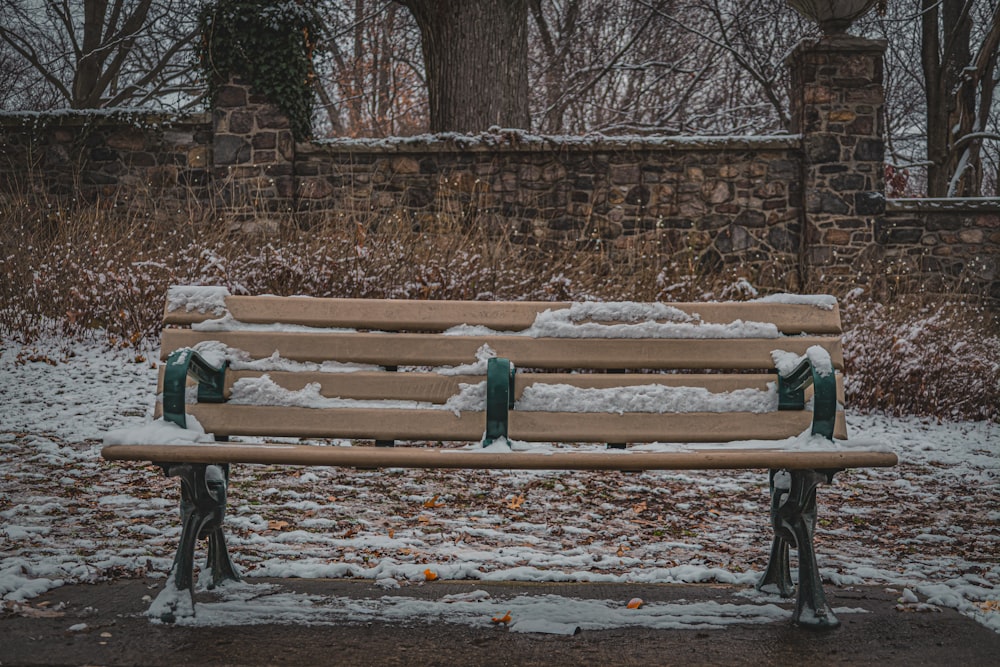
717, 192
231, 96
817, 94
836, 237
241, 122
271, 118
822, 148
847, 182
404, 165
637, 196
264, 140
869, 203
198, 157
230, 149
971, 236
734, 239
869, 150
129, 139
314, 188
841, 116
751, 218
625, 174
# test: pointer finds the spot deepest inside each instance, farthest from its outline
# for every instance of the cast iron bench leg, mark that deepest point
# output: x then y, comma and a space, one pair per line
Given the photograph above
203, 508
793, 515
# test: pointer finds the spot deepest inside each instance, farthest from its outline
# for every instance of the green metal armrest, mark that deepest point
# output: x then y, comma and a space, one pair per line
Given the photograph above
791, 395
211, 383
499, 398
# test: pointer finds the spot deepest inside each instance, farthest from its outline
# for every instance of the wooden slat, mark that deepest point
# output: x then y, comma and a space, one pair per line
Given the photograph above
437, 350
402, 457
400, 424
398, 315
435, 388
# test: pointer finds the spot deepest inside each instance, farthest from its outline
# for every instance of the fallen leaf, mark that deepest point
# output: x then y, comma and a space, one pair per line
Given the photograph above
505, 619
430, 575
277, 525
433, 502
516, 502
634, 603
640, 508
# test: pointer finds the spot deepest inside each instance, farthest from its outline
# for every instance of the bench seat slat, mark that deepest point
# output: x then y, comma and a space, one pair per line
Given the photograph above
437, 350
435, 388
411, 315
406, 457
403, 424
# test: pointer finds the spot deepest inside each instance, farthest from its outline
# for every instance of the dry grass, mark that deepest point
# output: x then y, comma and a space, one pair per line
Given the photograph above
106, 268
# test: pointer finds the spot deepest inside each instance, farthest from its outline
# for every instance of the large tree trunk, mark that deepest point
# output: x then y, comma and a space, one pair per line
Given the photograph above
959, 88
476, 62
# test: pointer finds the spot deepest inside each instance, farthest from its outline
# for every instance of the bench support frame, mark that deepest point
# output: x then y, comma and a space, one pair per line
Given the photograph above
793, 516
203, 509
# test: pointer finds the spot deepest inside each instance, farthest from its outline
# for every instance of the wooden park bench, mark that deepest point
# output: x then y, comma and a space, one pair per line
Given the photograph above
738, 385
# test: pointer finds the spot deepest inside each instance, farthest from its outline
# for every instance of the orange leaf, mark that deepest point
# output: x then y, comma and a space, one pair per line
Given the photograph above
516, 502
392, 533
433, 502
505, 619
277, 525
430, 575
634, 603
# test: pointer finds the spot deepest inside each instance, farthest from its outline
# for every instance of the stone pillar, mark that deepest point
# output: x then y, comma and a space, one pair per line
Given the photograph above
836, 104
252, 156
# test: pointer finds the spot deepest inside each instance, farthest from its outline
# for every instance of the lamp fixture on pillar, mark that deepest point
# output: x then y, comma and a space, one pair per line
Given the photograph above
834, 17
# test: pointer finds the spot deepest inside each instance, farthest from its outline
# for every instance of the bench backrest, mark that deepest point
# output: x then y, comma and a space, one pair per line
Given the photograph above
719, 347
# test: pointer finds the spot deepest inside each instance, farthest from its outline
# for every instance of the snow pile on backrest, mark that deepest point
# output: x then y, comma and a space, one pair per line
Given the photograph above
229, 323
216, 352
483, 356
630, 320
204, 299
822, 301
786, 362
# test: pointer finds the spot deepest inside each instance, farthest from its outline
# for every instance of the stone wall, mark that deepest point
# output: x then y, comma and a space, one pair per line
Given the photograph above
724, 201
128, 156
943, 242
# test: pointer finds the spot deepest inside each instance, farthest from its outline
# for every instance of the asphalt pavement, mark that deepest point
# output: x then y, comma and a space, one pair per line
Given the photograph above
117, 632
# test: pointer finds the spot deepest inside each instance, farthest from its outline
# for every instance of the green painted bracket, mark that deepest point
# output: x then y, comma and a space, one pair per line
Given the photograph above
181, 364
499, 398
791, 395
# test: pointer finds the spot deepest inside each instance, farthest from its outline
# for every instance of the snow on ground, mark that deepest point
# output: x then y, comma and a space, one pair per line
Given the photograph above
929, 528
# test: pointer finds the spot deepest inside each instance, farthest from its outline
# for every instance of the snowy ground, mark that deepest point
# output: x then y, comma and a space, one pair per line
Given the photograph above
929, 528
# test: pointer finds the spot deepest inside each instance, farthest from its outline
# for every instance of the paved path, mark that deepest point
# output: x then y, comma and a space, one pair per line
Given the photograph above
117, 633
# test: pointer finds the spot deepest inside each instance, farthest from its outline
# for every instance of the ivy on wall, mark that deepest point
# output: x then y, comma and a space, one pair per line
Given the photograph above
268, 44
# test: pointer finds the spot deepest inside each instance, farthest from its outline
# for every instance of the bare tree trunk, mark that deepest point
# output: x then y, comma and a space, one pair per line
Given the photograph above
476, 60
952, 77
